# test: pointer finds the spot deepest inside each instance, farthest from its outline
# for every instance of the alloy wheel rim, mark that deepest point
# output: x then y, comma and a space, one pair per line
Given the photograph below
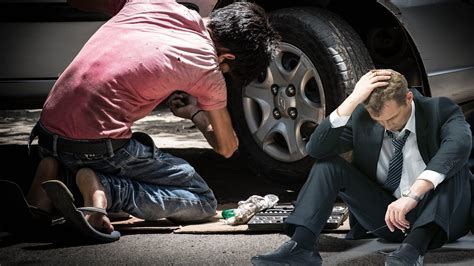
285, 104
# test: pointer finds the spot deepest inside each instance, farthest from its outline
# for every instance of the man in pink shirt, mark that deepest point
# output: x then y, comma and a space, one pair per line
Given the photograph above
146, 52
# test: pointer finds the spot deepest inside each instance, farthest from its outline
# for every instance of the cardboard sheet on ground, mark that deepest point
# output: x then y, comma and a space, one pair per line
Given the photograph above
215, 225
136, 224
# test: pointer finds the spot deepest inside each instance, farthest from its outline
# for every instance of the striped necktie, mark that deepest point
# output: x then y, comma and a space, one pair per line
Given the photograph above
396, 163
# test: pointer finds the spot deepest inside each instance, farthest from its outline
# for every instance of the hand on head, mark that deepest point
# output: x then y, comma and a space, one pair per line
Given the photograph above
368, 82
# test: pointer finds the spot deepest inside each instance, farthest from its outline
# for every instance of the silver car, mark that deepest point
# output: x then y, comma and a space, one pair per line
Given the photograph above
326, 46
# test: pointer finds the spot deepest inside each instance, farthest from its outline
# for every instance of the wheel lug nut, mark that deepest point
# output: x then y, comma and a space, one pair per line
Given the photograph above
276, 114
275, 89
293, 113
290, 91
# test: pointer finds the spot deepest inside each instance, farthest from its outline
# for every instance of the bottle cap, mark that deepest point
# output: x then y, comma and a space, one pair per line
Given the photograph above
228, 213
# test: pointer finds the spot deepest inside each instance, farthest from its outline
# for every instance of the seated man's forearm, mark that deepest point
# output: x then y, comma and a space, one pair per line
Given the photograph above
421, 186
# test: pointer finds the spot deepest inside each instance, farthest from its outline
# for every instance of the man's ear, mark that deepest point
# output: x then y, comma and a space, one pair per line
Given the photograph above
409, 97
225, 56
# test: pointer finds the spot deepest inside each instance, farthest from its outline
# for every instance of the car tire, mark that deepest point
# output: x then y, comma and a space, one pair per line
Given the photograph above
322, 57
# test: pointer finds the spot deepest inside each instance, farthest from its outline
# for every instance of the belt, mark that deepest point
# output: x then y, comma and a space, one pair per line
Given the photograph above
97, 147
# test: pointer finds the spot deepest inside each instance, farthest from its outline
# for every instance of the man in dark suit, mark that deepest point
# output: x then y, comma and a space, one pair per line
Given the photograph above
408, 181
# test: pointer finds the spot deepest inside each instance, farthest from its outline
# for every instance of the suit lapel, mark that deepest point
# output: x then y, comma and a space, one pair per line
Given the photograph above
421, 132
374, 149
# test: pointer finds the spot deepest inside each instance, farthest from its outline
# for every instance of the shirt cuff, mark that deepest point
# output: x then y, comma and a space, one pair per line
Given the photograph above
337, 120
432, 176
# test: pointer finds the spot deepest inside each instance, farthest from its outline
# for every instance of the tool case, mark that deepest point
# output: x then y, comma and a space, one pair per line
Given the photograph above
272, 219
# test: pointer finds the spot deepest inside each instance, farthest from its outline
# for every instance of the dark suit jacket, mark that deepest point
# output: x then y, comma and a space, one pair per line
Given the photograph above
443, 136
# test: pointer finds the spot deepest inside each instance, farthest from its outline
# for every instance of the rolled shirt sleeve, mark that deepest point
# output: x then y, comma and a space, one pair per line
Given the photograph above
337, 120
432, 176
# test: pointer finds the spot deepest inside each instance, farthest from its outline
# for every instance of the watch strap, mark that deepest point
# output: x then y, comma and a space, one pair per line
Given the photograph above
412, 195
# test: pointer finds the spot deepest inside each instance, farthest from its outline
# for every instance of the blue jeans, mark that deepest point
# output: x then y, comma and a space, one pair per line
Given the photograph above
147, 183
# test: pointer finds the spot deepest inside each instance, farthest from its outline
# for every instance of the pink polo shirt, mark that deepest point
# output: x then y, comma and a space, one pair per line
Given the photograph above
148, 50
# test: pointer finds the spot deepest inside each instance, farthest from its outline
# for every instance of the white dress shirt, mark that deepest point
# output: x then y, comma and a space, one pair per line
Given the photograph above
413, 164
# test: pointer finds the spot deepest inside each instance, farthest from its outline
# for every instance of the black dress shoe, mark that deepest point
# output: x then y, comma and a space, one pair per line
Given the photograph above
289, 254
405, 255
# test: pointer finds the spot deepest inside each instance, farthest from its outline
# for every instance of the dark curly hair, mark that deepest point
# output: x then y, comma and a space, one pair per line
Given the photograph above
243, 29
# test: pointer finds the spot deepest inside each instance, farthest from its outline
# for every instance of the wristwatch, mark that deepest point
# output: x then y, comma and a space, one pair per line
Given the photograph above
412, 195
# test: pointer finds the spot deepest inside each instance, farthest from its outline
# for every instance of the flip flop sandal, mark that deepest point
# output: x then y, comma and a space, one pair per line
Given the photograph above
21, 218
63, 200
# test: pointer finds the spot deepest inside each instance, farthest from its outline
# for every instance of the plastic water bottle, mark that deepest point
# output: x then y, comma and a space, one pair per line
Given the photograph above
248, 208
226, 214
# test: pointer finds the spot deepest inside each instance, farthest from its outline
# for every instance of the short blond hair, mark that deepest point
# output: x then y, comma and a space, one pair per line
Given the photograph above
396, 90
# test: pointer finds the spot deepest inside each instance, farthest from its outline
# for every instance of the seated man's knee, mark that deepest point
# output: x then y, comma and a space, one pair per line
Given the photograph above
326, 170
329, 163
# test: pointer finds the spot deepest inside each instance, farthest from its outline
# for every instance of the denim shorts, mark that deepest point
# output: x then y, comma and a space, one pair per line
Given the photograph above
145, 182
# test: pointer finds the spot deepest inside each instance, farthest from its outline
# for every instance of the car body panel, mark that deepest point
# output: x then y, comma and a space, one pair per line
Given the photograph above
41, 37
43, 52
443, 34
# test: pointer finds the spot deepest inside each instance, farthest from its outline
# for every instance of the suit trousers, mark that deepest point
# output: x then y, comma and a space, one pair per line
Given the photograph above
448, 205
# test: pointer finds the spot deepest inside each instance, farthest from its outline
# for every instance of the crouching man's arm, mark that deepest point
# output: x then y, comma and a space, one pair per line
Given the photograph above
215, 125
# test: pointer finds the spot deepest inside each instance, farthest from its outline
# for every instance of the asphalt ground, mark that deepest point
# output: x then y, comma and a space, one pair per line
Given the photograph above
231, 181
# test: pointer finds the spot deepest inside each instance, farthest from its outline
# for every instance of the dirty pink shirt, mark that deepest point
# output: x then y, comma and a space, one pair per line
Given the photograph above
145, 52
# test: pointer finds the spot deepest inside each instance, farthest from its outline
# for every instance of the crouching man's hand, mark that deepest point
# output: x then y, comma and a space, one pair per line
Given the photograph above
183, 105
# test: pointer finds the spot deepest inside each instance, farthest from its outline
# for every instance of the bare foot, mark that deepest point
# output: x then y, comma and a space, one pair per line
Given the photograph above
94, 196
100, 222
